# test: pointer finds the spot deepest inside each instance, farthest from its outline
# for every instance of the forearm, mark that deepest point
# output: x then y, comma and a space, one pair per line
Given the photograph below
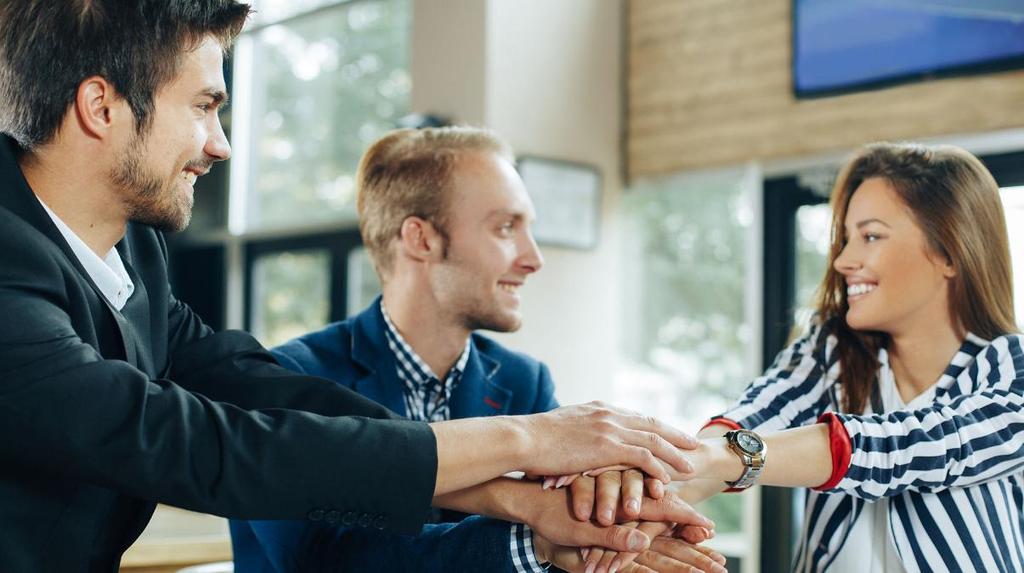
799, 457
502, 498
468, 453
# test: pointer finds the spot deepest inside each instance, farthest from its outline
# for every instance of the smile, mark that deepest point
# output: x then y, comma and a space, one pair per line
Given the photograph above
860, 289
190, 177
509, 287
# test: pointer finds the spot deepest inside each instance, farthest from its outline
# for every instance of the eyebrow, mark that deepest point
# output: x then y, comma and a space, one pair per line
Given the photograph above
508, 213
219, 97
866, 222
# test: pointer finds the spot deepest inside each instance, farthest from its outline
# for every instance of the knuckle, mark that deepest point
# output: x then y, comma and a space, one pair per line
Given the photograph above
604, 426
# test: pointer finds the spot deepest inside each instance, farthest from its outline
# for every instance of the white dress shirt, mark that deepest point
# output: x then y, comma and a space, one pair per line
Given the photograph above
108, 273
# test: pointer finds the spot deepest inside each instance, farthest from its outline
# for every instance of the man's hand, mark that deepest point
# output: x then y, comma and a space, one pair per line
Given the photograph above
666, 555
599, 497
573, 439
569, 440
548, 513
670, 507
659, 517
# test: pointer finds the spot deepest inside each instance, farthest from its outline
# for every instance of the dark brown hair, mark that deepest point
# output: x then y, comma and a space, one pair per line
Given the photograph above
49, 47
955, 201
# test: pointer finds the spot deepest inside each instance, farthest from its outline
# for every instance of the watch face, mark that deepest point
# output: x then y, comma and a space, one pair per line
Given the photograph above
749, 442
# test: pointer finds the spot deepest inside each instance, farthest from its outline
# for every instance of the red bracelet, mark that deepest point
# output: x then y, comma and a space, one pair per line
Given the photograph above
842, 449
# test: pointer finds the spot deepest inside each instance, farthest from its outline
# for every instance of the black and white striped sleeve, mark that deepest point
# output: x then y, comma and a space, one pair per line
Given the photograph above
974, 437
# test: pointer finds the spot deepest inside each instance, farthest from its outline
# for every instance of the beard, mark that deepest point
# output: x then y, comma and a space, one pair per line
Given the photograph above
473, 306
147, 199
494, 320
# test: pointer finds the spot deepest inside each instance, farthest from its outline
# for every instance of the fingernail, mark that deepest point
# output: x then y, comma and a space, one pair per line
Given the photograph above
615, 565
636, 542
548, 482
584, 551
561, 481
633, 506
590, 567
607, 515
687, 467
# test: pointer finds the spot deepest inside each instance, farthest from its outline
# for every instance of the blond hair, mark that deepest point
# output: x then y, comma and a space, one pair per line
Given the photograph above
409, 173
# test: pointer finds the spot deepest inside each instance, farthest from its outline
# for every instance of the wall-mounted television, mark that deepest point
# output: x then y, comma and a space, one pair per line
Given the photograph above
847, 45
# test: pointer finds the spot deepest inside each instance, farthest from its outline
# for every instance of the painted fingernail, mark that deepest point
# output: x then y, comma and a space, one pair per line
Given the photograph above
548, 482
633, 506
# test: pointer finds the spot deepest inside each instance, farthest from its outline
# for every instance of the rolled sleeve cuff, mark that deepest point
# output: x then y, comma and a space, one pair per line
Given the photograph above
841, 447
731, 424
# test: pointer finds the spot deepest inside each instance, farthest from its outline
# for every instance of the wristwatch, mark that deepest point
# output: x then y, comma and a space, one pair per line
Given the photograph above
752, 452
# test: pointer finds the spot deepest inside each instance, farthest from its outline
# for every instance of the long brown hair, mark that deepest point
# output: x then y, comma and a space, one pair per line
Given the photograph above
955, 201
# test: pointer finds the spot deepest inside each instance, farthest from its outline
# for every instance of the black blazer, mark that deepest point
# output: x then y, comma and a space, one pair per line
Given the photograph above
104, 413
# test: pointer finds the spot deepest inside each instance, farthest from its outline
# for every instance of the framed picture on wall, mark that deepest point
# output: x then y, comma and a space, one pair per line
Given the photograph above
567, 197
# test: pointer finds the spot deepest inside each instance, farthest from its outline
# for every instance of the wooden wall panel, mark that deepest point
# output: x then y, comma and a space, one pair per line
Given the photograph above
709, 84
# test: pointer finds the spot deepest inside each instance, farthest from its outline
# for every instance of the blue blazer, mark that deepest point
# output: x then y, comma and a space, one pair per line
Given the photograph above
355, 353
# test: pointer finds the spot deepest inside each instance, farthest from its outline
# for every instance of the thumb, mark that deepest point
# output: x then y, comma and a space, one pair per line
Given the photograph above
621, 538
673, 508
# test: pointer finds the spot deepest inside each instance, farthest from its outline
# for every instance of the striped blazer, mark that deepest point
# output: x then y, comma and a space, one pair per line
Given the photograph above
953, 471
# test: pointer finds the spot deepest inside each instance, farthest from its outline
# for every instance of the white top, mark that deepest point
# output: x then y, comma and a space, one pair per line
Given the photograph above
108, 273
870, 547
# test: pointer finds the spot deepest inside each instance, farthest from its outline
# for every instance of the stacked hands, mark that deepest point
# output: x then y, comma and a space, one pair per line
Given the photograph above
646, 526
629, 516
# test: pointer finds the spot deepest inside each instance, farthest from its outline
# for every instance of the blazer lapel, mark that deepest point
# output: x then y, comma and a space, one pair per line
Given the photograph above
370, 351
18, 197
478, 392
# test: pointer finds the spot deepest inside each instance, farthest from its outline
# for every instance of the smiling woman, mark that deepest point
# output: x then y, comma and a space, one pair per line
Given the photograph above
901, 406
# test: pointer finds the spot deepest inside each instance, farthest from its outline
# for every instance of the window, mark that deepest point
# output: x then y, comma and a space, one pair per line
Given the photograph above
812, 246
290, 294
313, 82
693, 317
314, 88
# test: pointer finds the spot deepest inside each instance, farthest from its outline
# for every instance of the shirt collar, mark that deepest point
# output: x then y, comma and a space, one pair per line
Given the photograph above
409, 359
108, 272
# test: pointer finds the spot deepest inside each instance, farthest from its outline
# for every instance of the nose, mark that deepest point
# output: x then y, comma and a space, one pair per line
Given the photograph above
530, 260
217, 146
847, 262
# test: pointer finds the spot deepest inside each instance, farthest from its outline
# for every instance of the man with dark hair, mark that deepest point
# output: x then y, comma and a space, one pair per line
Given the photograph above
115, 396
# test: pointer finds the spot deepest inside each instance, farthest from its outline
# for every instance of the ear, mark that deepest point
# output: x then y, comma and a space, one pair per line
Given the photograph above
98, 107
948, 269
420, 240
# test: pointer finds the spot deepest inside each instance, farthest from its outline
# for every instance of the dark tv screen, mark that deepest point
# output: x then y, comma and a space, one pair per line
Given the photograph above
846, 45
